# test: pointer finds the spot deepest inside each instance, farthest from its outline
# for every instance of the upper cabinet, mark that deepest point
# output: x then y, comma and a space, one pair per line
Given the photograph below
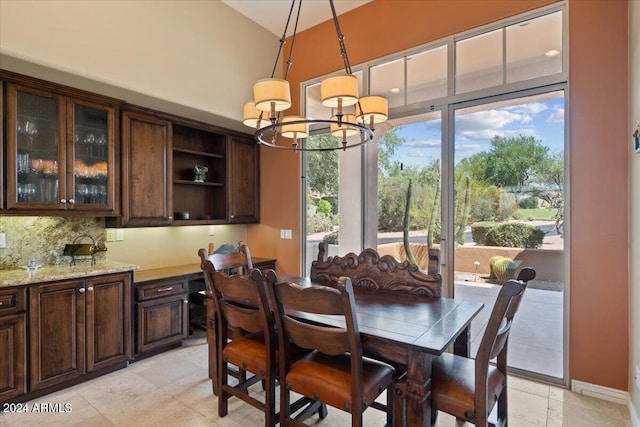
146, 171
64, 151
60, 152
199, 198
244, 180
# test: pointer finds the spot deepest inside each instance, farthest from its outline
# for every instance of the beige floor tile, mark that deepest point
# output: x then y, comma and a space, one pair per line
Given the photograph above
527, 407
564, 414
528, 386
63, 408
95, 421
609, 409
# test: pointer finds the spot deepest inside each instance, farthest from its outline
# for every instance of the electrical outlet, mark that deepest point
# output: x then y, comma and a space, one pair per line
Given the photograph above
119, 235
3, 241
212, 230
110, 235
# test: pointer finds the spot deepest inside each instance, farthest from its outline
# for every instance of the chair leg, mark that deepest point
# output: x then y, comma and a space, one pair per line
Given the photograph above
503, 419
223, 397
271, 418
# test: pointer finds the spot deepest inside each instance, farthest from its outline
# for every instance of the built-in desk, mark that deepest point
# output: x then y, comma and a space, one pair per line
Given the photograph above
167, 304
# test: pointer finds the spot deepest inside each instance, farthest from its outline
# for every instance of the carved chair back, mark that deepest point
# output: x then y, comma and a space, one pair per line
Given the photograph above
371, 271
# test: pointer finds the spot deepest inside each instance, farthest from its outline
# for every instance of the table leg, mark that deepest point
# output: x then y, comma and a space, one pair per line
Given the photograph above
418, 404
462, 344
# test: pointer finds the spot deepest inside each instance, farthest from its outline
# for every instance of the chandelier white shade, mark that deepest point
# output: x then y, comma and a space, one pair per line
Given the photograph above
339, 91
253, 117
272, 96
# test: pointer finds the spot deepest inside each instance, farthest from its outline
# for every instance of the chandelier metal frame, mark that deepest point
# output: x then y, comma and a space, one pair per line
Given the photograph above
270, 132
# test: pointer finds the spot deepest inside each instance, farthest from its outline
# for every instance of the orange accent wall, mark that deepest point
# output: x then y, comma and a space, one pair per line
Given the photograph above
598, 152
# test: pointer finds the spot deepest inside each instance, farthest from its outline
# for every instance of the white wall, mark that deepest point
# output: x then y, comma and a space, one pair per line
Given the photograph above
634, 215
198, 55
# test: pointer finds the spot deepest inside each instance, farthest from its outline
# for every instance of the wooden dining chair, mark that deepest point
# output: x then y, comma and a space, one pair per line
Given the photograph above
241, 302
469, 389
235, 262
334, 372
374, 272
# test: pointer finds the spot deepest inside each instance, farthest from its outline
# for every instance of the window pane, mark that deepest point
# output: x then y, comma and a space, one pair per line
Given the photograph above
427, 75
479, 62
534, 48
388, 80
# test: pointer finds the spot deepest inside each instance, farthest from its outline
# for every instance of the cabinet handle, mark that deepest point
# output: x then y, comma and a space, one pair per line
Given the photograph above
90, 288
233, 216
186, 301
71, 201
1, 303
63, 200
170, 288
81, 290
169, 217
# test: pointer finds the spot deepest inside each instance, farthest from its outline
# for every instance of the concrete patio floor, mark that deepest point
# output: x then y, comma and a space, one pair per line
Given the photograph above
536, 338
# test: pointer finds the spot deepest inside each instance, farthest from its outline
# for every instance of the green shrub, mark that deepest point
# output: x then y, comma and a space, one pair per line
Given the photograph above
319, 222
324, 207
528, 203
479, 231
331, 238
515, 235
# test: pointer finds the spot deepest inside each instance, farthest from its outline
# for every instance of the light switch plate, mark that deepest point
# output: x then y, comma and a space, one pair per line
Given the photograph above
3, 241
119, 235
212, 230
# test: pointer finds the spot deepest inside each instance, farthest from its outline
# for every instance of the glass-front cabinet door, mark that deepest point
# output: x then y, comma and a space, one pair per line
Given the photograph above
90, 155
61, 152
35, 131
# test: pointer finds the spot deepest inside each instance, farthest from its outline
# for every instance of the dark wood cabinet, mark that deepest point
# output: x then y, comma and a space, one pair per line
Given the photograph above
77, 327
13, 336
108, 321
57, 333
161, 314
146, 171
61, 151
244, 180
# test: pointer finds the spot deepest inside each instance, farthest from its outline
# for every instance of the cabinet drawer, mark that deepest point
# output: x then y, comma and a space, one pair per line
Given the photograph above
12, 300
161, 288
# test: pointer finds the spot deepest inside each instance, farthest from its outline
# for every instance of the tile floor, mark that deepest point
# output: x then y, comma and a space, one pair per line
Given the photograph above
173, 390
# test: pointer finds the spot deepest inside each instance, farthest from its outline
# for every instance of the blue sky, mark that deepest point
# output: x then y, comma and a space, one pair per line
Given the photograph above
541, 117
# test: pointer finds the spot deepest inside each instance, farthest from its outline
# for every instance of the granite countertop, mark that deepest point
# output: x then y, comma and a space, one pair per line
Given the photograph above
51, 273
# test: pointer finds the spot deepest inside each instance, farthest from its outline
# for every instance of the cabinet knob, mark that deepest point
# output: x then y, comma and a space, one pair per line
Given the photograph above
90, 288
71, 201
63, 200
81, 290
233, 216
169, 217
186, 301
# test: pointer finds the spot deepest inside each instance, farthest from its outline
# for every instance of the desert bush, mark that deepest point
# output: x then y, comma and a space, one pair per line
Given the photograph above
515, 235
528, 203
319, 222
324, 207
331, 238
479, 231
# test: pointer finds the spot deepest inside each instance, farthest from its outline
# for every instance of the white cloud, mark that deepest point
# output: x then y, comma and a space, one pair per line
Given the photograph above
531, 108
467, 147
557, 116
489, 119
488, 134
430, 143
415, 153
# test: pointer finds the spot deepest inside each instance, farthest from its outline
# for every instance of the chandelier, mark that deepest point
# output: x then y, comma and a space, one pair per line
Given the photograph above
351, 115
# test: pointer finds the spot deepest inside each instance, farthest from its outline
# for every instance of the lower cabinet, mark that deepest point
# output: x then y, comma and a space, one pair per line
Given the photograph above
161, 314
77, 327
13, 337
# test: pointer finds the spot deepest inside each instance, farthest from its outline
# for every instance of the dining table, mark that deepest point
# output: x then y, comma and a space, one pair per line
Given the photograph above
409, 330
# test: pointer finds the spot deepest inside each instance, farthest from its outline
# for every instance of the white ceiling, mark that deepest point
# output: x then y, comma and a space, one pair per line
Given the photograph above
272, 14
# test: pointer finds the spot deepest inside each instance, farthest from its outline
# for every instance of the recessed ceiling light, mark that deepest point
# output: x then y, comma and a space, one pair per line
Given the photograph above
552, 52
395, 90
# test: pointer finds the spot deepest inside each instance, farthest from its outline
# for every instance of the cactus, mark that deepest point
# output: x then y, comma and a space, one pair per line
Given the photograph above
460, 234
504, 269
492, 261
405, 227
432, 219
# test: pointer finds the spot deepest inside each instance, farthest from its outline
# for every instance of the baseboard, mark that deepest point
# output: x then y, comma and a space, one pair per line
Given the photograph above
633, 414
601, 392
